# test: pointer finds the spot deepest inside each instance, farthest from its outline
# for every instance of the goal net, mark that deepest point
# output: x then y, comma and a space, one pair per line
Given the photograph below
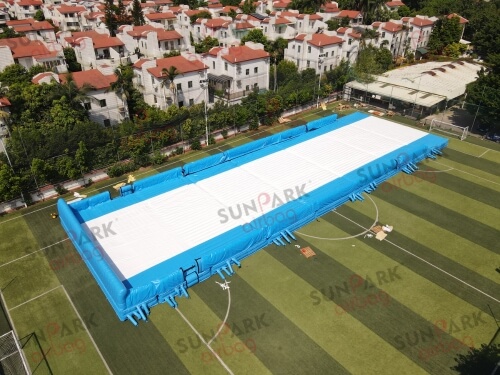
12, 361
445, 127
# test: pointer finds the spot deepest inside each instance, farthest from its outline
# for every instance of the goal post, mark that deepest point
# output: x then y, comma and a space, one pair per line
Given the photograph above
12, 361
445, 127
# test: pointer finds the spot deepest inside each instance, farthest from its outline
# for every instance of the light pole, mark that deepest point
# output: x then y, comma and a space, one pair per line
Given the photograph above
204, 86
477, 111
320, 62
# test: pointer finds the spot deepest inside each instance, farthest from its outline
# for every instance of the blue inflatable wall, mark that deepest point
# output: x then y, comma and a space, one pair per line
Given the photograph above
132, 298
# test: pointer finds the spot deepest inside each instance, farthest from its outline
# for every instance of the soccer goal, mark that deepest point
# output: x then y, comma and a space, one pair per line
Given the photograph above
12, 361
445, 127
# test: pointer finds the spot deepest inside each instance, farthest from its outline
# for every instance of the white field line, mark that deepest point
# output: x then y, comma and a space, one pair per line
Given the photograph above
225, 318
204, 342
471, 174
483, 153
83, 322
429, 263
34, 298
34, 252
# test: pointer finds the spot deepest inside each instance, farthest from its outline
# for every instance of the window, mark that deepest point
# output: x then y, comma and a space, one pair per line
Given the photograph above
247, 88
190, 84
326, 54
87, 106
255, 85
225, 66
308, 63
102, 102
350, 41
179, 87
383, 34
107, 122
293, 46
298, 48
191, 102
155, 99
348, 54
181, 104
178, 42
247, 72
331, 66
255, 70
308, 49
324, 69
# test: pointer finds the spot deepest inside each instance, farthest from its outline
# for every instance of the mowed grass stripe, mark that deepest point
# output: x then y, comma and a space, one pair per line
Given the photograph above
388, 320
473, 259
452, 285
420, 184
235, 348
485, 165
111, 335
479, 190
397, 280
281, 345
462, 225
345, 338
465, 172
474, 150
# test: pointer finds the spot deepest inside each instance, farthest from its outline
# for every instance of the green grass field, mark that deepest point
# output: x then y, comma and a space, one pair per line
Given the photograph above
405, 305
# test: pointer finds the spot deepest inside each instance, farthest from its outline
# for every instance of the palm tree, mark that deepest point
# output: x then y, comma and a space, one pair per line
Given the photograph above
74, 94
121, 87
167, 79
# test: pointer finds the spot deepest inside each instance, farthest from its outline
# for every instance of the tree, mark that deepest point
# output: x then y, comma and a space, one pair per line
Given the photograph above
110, 17
168, 77
70, 57
486, 39
483, 360
339, 76
39, 15
366, 66
10, 183
333, 24
256, 36
248, 7
137, 15
206, 45
123, 85
76, 95
8, 32
14, 73
445, 32
383, 58
485, 94
202, 14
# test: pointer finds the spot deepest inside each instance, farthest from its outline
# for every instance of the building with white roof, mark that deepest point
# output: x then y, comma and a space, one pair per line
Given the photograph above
422, 87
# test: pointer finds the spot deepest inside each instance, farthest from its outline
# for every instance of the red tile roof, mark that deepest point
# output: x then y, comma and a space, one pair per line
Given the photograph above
422, 22
93, 77
352, 14
330, 8
240, 53
107, 41
36, 79
215, 23
395, 3
168, 34
139, 30
461, 19
64, 9
321, 40
392, 27
243, 25
182, 64
23, 47
4, 102
29, 2
160, 16
311, 16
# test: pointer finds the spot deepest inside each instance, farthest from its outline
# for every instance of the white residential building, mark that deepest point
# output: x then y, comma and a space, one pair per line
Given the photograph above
21, 9
151, 40
186, 90
236, 71
103, 104
67, 17
320, 52
94, 49
28, 53
34, 30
